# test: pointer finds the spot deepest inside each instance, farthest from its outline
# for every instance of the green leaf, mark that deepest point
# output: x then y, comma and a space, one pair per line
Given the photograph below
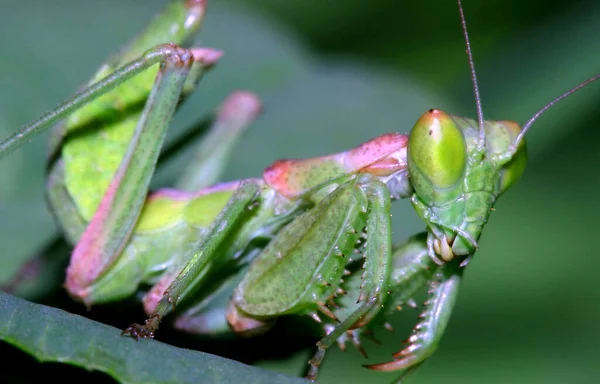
52, 334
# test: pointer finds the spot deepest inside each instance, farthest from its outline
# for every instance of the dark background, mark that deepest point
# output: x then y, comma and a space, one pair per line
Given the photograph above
333, 74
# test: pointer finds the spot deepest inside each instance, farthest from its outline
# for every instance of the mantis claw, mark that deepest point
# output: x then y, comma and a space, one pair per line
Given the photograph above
146, 331
322, 307
428, 332
137, 331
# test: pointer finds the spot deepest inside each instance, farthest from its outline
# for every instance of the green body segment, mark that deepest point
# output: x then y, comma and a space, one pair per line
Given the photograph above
94, 139
378, 247
456, 204
168, 228
301, 270
165, 209
302, 265
294, 178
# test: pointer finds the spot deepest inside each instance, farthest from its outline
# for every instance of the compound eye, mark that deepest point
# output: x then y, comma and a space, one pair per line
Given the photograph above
437, 152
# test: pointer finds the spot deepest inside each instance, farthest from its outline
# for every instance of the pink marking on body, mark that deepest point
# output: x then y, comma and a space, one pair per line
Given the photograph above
391, 366
88, 261
156, 293
240, 105
380, 156
384, 167
196, 3
244, 325
277, 176
206, 56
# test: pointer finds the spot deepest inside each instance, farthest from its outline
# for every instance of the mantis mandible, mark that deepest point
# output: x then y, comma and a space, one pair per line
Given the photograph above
297, 226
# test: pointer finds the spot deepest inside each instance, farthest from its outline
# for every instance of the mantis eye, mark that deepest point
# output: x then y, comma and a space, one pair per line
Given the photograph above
437, 157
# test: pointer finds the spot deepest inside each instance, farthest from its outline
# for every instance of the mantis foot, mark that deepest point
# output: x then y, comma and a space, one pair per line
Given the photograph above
146, 331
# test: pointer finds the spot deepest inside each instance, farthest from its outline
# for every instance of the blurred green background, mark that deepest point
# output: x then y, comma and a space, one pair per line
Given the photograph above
333, 74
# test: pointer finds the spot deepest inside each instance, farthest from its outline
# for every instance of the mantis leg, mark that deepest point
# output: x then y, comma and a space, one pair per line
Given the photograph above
412, 270
433, 321
377, 268
209, 317
108, 231
161, 54
207, 252
234, 115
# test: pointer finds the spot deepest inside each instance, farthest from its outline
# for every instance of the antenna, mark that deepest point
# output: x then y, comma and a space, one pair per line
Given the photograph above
473, 74
532, 120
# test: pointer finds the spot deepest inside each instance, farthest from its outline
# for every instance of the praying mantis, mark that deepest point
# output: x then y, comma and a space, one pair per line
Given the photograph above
292, 215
